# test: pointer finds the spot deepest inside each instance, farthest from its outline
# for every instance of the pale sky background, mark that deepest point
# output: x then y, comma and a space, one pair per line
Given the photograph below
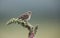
46, 13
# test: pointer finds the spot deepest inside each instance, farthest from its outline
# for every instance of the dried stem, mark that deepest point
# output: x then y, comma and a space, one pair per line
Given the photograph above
24, 24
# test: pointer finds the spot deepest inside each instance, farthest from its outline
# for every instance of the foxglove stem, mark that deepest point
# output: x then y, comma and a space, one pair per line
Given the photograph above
24, 24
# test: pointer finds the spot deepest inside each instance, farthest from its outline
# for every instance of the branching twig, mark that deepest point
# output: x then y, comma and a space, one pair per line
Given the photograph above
20, 21
24, 24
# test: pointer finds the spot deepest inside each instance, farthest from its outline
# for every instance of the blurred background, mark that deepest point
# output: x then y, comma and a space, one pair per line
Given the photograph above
46, 13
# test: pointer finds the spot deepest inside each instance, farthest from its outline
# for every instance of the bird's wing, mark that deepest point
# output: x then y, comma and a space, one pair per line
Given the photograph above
24, 16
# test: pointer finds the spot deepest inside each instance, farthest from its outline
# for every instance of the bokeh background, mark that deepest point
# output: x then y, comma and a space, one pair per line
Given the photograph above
46, 13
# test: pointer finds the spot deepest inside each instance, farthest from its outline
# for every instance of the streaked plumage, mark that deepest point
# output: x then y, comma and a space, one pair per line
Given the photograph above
26, 16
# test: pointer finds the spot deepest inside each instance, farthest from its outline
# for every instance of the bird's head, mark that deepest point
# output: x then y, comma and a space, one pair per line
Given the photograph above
29, 12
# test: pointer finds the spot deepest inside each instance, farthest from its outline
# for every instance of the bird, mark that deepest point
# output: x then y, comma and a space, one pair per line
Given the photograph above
25, 16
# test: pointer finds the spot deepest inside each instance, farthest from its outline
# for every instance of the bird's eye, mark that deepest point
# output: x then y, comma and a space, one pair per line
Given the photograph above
29, 12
